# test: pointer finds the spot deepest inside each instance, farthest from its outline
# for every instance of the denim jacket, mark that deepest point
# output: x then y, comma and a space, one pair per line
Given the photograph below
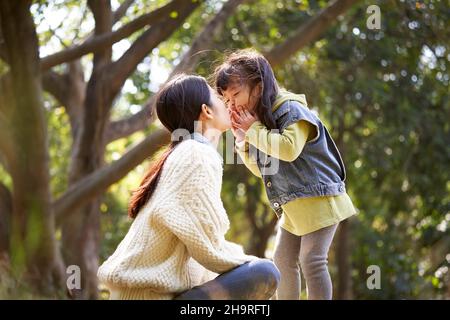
318, 170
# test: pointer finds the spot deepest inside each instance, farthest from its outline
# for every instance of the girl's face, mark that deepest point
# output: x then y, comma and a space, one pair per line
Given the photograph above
240, 96
219, 117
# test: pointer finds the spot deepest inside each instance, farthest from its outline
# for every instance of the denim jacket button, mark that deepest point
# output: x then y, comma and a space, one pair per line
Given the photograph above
276, 204
341, 188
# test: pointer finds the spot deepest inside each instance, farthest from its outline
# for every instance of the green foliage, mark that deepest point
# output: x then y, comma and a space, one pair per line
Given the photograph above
60, 142
384, 96
382, 93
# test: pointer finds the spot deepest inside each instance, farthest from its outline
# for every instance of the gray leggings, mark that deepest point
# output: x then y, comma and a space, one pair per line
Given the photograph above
308, 253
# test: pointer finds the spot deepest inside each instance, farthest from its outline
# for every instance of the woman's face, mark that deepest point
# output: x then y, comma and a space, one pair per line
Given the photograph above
220, 116
241, 97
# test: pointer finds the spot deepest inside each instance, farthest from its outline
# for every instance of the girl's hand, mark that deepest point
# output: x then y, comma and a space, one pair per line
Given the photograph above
238, 134
242, 119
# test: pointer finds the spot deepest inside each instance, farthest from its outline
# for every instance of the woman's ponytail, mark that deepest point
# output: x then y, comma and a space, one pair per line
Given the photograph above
178, 106
148, 185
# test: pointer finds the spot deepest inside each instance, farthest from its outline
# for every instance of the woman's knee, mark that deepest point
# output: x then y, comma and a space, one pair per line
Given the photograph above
266, 271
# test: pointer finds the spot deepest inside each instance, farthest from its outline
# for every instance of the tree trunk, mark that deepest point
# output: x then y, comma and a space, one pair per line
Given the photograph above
32, 242
262, 226
5, 221
75, 96
343, 253
81, 247
260, 238
80, 238
344, 289
308, 32
81, 229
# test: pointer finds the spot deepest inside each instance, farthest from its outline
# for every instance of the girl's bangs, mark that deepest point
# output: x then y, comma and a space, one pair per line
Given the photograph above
225, 77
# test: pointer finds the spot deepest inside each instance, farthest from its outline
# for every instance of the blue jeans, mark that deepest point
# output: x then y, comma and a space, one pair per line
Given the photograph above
254, 280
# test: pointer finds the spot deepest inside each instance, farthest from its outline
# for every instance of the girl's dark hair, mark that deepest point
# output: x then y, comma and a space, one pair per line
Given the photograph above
249, 67
178, 106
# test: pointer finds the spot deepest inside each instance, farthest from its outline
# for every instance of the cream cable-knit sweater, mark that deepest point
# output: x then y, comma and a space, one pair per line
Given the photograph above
177, 240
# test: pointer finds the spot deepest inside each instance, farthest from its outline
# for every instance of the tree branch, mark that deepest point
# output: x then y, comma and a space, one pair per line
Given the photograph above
204, 40
437, 253
122, 10
121, 69
69, 89
140, 120
101, 10
5, 219
53, 32
2, 46
2, 51
98, 182
83, 16
97, 43
308, 32
56, 84
6, 98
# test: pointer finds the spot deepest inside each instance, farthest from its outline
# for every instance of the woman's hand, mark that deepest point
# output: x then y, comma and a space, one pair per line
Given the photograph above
242, 119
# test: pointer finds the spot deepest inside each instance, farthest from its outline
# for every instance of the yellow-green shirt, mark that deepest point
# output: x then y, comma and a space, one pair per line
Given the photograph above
302, 215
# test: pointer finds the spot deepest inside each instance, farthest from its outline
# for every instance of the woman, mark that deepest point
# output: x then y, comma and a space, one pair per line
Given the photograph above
176, 247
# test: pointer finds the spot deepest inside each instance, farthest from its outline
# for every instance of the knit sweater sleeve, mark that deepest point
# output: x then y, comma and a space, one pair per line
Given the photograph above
199, 220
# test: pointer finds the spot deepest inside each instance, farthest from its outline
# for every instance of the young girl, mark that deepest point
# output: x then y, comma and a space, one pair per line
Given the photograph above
176, 246
280, 140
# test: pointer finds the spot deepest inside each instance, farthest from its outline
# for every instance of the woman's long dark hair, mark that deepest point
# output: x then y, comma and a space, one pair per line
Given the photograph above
251, 68
178, 106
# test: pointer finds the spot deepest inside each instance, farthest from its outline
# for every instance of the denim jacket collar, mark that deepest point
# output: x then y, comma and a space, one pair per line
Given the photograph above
197, 136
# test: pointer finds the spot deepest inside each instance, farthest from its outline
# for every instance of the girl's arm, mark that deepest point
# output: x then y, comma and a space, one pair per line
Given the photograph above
242, 149
250, 163
285, 146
